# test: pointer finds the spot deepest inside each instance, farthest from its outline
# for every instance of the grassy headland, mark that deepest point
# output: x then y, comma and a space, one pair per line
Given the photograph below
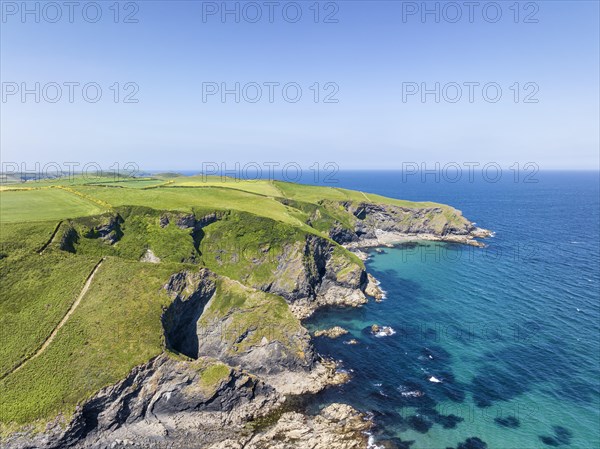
253, 234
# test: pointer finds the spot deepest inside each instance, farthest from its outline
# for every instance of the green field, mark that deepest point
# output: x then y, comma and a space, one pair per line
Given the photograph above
42, 205
188, 198
261, 187
140, 183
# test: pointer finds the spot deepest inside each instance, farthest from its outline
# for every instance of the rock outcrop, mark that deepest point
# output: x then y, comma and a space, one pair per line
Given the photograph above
110, 231
68, 239
190, 292
334, 332
150, 257
257, 346
317, 276
373, 288
384, 224
338, 426
191, 221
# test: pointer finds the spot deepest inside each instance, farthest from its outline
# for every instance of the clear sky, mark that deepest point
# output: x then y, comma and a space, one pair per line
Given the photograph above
373, 57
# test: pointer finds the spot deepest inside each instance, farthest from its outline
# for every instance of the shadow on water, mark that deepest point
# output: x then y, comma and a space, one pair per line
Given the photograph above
402, 288
516, 368
561, 437
545, 282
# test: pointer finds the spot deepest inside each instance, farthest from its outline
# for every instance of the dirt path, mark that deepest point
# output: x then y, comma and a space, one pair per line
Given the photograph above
50, 339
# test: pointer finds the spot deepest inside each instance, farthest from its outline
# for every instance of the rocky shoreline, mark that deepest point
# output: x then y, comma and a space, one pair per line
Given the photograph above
391, 239
157, 406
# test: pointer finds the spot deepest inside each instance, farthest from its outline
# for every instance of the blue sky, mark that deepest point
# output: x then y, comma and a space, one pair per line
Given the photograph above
370, 57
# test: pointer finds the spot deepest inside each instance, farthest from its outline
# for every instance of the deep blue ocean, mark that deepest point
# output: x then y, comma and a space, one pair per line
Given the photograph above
502, 343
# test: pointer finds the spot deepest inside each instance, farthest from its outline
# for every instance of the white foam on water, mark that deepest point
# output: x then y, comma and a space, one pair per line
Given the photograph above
412, 394
371, 442
385, 331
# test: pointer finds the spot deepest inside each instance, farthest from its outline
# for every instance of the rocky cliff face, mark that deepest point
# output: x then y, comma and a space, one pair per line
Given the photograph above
104, 227
404, 220
313, 274
256, 345
162, 403
190, 292
383, 224
109, 231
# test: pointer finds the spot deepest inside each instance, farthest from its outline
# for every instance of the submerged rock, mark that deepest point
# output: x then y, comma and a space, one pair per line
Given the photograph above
472, 443
511, 422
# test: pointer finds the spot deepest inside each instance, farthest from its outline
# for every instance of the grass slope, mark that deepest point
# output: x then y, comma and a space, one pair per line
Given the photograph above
246, 247
116, 327
35, 296
25, 237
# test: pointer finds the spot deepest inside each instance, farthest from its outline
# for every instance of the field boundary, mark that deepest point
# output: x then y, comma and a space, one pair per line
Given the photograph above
157, 186
96, 201
283, 195
47, 244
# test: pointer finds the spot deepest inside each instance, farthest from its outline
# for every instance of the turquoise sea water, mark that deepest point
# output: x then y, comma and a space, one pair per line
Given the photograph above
510, 331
